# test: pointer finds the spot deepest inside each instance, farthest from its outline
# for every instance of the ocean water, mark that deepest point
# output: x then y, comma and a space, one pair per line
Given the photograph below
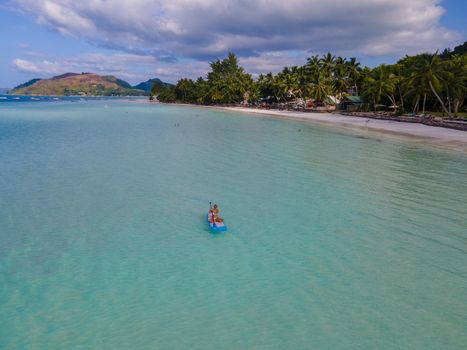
335, 241
5, 98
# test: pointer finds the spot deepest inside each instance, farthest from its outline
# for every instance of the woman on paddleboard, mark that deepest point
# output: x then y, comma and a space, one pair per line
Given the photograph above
214, 214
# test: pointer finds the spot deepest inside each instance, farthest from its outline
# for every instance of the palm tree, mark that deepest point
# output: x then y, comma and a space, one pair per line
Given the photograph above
340, 79
286, 83
353, 70
321, 89
381, 82
202, 91
266, 85
400, 80
429, 68
417, 90
327, 64
312, 68
455, 81
414, 87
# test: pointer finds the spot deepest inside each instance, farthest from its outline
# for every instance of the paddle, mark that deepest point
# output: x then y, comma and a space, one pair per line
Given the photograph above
212, 215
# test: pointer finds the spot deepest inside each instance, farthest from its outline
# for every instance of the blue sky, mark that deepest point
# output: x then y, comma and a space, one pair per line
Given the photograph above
140, 39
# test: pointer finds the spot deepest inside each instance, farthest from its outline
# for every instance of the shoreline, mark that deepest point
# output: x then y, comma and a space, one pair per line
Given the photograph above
413, 132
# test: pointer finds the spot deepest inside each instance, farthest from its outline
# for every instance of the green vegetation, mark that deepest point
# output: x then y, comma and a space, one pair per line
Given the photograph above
28, 83
414, 84
458, 50
146, 86
226, 83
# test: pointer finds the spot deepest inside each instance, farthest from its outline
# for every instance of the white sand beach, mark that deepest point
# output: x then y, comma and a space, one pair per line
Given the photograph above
413, 132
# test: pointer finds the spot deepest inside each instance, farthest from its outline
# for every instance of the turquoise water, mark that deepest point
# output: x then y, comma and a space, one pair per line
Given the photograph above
5, 98
335, 241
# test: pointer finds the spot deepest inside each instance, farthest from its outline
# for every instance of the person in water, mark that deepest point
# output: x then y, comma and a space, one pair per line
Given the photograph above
214, 214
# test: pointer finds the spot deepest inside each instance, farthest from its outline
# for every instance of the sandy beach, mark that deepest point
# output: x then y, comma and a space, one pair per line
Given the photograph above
413, 132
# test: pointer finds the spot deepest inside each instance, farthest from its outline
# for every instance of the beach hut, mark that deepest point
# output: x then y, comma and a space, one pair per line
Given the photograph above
351, 103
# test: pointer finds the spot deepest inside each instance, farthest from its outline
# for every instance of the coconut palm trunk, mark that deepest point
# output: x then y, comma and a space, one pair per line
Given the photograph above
439, 98
393, 101
415, 107
424, 103
449, 102
457, 103
401, 98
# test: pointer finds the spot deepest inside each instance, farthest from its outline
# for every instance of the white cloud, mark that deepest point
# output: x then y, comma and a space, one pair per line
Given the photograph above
271, 62
117, 64
26, 66
208, 28
136, 68
175, 38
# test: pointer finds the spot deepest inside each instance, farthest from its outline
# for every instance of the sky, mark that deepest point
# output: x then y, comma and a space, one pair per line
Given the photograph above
136, 40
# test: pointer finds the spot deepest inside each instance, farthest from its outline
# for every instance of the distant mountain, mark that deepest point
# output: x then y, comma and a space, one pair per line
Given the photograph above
28, 83
88, 84
146, 86
3, 91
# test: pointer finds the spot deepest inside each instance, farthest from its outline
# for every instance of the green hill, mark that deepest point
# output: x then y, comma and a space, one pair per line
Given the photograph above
146, 86
86, 84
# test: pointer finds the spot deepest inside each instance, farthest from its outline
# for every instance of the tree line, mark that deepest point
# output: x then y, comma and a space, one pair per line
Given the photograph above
435, 82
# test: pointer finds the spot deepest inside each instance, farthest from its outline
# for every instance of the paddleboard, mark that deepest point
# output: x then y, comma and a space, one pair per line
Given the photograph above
216, 227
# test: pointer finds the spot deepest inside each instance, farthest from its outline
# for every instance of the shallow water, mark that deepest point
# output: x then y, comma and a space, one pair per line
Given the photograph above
335, 241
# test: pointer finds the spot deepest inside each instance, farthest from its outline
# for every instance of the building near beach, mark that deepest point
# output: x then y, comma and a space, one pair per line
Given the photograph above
351, 103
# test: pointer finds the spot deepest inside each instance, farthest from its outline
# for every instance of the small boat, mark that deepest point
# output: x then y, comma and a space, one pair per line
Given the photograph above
216, 226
